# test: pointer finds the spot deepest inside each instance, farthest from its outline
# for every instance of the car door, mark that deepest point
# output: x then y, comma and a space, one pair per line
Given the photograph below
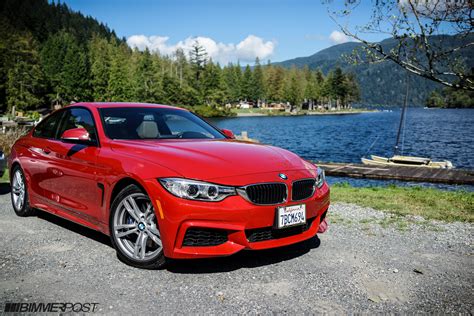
72, 169
37, 158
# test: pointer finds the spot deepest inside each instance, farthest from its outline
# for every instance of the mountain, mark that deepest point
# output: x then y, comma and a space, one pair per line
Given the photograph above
42, 19
382, 83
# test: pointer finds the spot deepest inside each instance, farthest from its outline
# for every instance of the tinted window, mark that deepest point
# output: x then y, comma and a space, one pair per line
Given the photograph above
47, 127
155, 123
78, 118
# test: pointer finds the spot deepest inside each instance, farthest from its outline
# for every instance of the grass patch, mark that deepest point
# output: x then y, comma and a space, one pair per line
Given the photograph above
430, 203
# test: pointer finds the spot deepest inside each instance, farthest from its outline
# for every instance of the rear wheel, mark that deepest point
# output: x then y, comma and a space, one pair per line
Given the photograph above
134, 229
19, 193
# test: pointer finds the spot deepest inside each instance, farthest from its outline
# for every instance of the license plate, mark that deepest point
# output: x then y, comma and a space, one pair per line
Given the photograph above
291, 215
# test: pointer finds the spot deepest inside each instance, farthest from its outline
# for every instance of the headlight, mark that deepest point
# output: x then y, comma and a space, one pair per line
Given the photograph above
196, 190
321, 178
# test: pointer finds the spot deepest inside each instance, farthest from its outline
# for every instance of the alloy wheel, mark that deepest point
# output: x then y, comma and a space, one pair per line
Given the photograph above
135, 228
18, 190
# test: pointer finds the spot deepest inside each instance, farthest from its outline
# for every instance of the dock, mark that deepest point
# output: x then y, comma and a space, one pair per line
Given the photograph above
417, 174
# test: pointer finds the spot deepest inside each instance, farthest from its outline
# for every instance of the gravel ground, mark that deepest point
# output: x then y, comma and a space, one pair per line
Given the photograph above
366, 262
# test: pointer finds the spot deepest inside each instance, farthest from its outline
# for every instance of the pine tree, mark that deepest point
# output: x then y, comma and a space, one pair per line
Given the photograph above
311, 89
338, 89
258, 89
276, 84
184, 72
53, 54
233, 82
171, 89
75, 75
99, 56
119, 85
198, 59
327, 94
247, 82
143, 79
294, 88
25, 78
352, 89
7, 61
213, 85
319, 78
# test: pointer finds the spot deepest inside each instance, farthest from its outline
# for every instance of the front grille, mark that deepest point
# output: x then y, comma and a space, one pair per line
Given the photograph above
269, 233
200, 237
266, 193
303, 189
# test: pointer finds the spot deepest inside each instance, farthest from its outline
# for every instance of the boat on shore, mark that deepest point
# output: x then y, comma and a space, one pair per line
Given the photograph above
407, 161
401, 160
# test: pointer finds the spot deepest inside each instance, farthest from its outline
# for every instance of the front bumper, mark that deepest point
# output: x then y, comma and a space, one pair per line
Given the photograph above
240, 221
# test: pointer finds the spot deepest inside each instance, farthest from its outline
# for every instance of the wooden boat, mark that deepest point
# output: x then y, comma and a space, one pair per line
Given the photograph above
400, 160
407, 161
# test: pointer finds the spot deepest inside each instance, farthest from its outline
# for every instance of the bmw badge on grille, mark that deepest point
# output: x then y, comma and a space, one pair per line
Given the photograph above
283, 176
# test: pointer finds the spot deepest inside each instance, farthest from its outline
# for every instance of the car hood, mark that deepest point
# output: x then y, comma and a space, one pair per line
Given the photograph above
211, 159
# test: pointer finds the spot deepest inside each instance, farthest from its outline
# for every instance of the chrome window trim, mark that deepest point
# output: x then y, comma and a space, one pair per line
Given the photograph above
242, 191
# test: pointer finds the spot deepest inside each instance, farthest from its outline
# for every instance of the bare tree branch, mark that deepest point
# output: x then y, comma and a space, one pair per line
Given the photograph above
416, 27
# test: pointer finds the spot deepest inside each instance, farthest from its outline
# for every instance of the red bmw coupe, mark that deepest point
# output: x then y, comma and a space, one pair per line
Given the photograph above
163, 183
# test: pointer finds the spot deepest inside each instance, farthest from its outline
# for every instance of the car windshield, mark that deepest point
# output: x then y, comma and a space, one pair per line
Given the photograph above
155, 123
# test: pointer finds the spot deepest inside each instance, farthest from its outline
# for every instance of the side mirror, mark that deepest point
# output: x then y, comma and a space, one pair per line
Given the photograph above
228, 133
76, 135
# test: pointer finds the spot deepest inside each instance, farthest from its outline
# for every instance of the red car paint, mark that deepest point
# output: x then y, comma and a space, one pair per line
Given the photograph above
77, 183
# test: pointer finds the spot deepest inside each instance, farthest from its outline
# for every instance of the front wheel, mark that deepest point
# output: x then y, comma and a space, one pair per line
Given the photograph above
134, 230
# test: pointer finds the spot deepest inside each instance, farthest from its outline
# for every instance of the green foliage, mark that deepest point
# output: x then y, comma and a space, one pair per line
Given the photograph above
33, 115
145, 86
75, 74
25, 77
53, 53
435, 100
257, 91
275, 84
119, 85
76, 58
212, 86
294, 87
232, 76
99, 59
450, 98
247, 81
211, 111
198, 60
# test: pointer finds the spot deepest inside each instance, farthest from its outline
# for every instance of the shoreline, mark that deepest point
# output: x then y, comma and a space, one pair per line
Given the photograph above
316, 113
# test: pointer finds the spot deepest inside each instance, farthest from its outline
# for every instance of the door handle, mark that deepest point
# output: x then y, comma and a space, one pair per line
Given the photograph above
46, 150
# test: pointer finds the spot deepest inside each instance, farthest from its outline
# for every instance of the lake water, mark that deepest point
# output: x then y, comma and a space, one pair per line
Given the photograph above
442, 134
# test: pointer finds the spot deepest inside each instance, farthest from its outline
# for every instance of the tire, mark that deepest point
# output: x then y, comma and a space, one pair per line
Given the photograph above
134, 230
19, 193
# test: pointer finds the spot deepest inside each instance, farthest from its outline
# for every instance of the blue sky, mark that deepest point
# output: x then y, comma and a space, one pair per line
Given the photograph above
230, 30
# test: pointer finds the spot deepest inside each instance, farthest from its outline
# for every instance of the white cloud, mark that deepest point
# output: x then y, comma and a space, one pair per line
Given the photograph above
253, 46
246, 51
338, 37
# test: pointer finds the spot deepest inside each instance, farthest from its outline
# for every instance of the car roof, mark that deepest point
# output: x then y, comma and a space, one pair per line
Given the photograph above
123, 105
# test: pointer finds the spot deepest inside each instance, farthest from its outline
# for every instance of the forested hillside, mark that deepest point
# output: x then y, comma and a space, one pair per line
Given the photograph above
28, 65
381, 83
